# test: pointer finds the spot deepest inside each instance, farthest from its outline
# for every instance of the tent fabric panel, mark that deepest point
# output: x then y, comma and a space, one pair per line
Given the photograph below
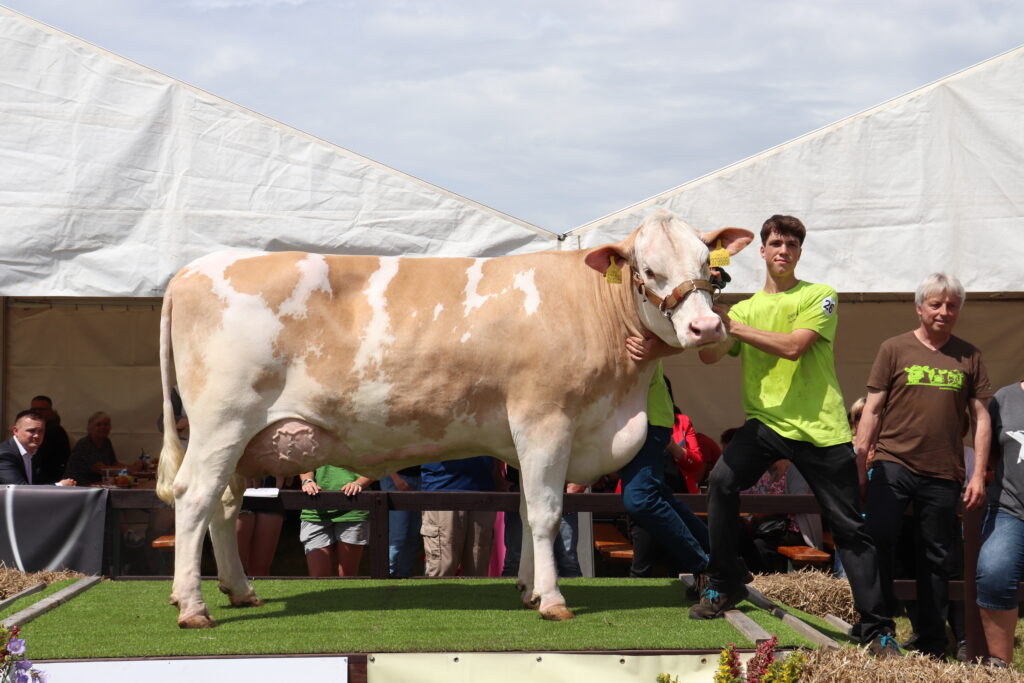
113, 177
930, 181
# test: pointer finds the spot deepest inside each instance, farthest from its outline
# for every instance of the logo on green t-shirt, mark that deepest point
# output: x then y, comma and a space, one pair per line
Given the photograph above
927, 376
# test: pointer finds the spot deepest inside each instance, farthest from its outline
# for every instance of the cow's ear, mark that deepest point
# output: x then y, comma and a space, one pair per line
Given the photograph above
733, 239
599, 259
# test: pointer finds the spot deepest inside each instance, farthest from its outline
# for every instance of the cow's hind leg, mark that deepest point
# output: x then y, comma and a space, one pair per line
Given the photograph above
198, 487
543, 460
224, 539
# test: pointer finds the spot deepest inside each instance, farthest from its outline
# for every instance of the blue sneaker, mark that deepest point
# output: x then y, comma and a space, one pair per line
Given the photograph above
884, 645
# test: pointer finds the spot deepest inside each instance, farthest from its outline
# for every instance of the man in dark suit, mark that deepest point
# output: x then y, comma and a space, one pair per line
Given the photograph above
54, 452
17, 455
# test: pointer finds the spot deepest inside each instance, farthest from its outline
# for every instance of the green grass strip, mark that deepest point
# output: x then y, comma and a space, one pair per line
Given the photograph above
24, 602
132, 619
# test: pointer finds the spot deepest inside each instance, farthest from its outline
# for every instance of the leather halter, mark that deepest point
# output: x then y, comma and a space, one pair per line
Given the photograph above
676, 296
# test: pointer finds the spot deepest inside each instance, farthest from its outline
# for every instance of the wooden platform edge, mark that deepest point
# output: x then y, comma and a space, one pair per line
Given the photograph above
838, 623
799, 625
750, 629
10, 600
46, 604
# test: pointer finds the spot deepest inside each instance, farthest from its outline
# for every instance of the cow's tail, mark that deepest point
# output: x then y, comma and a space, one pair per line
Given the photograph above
172, 454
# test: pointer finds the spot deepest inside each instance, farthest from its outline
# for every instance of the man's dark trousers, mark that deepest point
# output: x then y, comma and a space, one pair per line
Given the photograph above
831, 473
893, 487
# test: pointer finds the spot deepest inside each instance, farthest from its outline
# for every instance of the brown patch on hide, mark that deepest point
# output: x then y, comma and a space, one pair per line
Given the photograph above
196, 315
328, 337
273, 277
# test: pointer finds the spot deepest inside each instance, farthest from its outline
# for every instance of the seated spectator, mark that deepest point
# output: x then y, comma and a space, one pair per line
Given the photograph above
18, 461
1001, 561
259, 527
727, 435
334, 539
768, 531
54, 451
92, 452
710, 451
459, 542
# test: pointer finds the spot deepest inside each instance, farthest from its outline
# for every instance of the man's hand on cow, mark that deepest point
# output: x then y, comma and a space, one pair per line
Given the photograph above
722, 311
647, 348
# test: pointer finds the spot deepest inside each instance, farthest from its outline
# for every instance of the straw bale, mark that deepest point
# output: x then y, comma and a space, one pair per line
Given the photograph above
855, 665
13, 581
813, 591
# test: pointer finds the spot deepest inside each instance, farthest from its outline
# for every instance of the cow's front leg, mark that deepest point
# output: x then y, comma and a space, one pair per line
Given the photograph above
224, 538
543, 468
524, 582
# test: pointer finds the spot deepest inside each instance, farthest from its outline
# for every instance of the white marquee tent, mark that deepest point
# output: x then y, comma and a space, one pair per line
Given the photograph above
112, 176
929, 181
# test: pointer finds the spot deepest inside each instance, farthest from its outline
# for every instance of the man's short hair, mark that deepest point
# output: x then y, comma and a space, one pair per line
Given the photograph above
42, 397
29, 413
937, 283
783, 225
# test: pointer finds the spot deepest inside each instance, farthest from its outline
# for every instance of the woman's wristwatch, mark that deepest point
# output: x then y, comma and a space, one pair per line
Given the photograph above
307, 481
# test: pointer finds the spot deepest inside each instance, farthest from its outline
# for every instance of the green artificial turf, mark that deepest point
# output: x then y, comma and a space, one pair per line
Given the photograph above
132, 619
22, 603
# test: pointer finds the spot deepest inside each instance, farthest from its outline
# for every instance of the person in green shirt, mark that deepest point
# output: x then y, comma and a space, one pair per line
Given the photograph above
784, 335
333, 539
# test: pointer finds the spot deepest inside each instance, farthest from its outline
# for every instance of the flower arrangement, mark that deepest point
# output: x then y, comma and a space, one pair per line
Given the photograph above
763, 667
729, 667
14, 668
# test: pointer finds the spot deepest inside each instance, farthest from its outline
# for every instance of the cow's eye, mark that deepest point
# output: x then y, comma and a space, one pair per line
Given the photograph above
649, 273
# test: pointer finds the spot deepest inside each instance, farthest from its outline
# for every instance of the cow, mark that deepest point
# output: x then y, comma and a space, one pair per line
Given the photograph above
289, 361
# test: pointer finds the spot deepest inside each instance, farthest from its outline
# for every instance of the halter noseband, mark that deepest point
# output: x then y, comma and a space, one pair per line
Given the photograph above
676, 296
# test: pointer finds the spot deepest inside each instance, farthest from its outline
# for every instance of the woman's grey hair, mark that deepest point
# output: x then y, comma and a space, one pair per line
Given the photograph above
94, 417
936, 283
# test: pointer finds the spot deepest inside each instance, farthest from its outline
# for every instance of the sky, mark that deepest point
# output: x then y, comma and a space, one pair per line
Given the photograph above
555, 112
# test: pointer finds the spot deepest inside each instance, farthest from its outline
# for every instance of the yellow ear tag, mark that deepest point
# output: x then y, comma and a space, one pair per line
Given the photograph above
719, 257
613, 275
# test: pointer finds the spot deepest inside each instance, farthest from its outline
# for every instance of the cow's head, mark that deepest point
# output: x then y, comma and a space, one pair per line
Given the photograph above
669, 271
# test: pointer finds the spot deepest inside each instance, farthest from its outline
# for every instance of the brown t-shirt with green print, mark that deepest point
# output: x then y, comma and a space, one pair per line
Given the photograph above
925, 412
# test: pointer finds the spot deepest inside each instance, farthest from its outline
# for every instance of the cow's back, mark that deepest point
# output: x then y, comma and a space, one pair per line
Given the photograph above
389, 352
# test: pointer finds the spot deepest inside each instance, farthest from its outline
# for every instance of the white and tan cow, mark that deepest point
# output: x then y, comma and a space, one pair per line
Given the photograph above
289, 361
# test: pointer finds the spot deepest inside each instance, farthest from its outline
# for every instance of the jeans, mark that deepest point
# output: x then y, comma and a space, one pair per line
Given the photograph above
892, 488
404, 543
566, 561
831, 473
1001, 561
651, 504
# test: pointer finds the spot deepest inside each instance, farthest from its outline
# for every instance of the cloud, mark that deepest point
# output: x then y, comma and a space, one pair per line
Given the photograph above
553, 112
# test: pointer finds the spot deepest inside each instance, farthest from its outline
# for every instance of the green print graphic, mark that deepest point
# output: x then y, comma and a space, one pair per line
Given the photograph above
925, 376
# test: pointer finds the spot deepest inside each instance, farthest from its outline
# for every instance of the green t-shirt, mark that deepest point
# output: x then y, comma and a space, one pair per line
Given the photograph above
798, 399
331, 478
659, 403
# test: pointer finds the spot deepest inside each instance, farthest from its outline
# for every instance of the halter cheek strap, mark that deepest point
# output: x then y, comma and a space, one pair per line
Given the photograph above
676, 296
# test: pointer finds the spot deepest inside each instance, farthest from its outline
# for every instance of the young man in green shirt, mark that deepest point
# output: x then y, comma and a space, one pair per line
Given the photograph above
795, 411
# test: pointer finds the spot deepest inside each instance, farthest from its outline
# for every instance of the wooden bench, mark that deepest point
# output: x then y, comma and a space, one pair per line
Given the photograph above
801, 555
610, 542
163, 543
